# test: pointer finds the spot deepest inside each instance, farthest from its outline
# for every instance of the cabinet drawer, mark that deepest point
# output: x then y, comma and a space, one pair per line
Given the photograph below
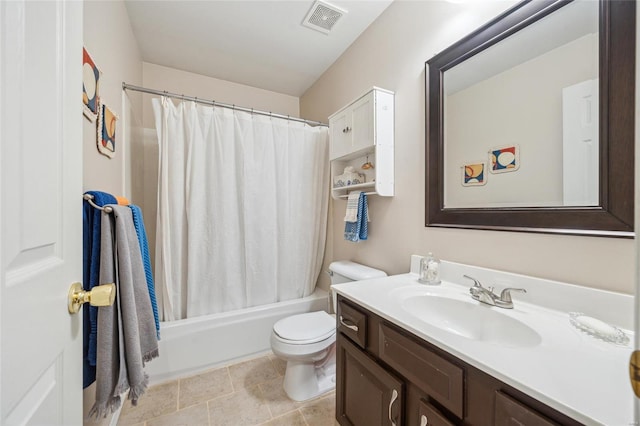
429, 415
439, 378
508, 411
352, 323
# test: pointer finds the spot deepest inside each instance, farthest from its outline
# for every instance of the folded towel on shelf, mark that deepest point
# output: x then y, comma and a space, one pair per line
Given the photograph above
358, 230
90, 275
126, 330
351, 215
138, 223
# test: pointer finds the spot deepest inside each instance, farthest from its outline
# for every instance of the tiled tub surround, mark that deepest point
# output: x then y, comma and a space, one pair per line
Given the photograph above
248, 393
584, 378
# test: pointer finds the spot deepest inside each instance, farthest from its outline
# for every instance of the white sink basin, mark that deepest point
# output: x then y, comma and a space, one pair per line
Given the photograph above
471, 320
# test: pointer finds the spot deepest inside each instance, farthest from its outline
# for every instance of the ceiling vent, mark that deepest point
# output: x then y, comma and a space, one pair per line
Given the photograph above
323, 16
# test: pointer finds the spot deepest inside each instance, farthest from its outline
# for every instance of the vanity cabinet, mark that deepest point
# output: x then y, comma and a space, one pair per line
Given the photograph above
388, 376
363, 132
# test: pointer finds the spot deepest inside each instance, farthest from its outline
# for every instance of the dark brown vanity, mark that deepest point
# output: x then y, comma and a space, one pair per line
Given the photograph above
388, 376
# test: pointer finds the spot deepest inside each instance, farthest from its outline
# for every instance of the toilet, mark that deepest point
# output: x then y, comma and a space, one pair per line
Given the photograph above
307, 341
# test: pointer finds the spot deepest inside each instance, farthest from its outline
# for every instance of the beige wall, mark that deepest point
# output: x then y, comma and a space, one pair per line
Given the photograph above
187, 83
391, 54
109, 39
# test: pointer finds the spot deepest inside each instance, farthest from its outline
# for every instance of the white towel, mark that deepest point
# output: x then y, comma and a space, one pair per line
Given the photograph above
351, 214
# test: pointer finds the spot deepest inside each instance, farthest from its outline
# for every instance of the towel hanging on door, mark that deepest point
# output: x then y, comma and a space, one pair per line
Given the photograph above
90, 275
126, 330
138, 222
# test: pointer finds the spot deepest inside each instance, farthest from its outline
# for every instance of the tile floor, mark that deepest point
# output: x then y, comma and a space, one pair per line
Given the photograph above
245, 394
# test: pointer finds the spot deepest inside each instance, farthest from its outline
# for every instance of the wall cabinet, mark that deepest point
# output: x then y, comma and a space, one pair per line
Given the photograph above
388, 376
363, 132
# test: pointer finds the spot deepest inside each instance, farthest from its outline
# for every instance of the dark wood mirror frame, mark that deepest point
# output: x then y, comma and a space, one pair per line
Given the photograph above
614, 216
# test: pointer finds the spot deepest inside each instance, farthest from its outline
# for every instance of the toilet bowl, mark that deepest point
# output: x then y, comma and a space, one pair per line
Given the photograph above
307, 341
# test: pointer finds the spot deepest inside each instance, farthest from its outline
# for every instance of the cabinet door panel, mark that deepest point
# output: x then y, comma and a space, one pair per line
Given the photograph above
362, 123
511, 412
439, 378
366, 394
340, 126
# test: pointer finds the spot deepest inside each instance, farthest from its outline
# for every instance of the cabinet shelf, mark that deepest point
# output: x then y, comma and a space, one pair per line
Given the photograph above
363, 131
343, 191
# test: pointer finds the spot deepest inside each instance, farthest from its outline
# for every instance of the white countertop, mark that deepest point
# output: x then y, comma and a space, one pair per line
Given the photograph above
576, 374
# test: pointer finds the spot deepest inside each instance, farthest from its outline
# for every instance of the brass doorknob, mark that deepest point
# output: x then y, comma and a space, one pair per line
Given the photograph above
634, 372
100, 295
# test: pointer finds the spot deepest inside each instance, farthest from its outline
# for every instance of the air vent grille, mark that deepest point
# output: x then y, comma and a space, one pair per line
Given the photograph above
323, 16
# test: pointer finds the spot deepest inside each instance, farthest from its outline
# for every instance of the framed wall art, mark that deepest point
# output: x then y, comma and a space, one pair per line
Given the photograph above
474, 173
504, 159
106, 131
90, 86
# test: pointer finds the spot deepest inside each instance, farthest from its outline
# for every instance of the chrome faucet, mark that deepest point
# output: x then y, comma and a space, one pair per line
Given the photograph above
486, 294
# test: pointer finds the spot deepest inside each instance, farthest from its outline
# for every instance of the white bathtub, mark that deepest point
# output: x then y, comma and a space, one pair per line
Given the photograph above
196, 344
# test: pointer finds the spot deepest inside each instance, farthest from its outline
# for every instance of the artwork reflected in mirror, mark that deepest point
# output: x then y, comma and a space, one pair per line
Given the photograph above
534, 96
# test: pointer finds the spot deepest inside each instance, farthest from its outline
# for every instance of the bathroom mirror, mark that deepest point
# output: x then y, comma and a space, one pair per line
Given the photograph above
530, 122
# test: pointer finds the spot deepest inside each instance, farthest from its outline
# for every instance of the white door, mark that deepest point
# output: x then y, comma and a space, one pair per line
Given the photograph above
580, 153
40, 211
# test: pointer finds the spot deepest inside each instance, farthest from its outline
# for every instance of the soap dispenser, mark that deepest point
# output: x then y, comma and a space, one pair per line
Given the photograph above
429, 270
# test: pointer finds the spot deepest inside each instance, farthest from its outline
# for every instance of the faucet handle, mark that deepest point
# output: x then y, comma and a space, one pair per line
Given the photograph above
476, 283
505, 295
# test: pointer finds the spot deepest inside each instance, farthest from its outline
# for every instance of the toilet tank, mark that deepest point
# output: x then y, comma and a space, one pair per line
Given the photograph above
344, 271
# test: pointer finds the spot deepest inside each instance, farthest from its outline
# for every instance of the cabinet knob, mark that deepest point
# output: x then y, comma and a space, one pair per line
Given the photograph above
423, 420
346, 129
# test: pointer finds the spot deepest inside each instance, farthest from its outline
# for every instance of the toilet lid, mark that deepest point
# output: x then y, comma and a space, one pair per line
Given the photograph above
310, 327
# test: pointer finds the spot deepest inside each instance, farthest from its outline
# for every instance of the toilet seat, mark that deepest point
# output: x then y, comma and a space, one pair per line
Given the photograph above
304, 329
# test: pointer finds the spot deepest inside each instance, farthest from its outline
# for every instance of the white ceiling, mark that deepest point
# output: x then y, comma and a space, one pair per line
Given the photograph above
258, 43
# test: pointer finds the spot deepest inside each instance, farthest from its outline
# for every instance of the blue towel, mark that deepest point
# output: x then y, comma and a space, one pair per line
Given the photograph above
358, 230
138, 223
91, 222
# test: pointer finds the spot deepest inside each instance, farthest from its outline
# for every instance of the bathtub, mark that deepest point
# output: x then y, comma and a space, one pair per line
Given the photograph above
192, 345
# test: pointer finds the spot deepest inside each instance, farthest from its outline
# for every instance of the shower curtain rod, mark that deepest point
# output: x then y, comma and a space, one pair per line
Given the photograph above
126, 86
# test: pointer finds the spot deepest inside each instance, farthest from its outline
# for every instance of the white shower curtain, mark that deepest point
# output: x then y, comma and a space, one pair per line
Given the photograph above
242, 208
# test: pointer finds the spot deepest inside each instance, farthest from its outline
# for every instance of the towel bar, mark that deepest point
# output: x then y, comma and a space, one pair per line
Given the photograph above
89, 199
366, 193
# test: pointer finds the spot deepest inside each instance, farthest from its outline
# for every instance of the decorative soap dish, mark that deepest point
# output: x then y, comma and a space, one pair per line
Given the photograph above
598, 329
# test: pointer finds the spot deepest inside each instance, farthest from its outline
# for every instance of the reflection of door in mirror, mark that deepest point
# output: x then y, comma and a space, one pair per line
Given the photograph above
528, 91
580, 181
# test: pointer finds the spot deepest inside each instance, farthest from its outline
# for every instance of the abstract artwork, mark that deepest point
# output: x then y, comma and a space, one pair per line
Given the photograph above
90, 86
106, 131
504, 159
474, 174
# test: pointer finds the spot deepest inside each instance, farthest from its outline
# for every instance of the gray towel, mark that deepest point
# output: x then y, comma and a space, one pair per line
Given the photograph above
126, 330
